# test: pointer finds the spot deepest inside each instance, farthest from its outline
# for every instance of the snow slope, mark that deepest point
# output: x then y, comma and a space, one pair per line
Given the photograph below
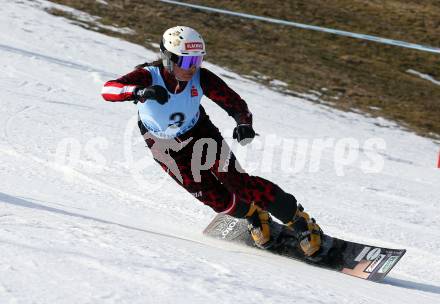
87, 217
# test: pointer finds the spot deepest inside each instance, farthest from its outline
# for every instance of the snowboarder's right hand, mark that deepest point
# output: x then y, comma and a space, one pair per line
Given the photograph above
157, 92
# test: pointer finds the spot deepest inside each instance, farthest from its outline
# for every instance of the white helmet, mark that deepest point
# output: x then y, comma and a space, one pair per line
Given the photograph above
182, 45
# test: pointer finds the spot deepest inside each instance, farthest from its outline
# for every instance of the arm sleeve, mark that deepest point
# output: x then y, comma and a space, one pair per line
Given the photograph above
218, 91
122, 88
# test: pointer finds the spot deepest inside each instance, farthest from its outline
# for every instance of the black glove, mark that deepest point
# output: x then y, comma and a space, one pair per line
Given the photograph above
156, 92
243, 134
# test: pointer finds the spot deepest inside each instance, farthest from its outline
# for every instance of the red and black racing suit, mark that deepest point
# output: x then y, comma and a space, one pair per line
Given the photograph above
230, 191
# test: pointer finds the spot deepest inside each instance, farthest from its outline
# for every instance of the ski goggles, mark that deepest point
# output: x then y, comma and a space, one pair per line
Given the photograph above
187, 62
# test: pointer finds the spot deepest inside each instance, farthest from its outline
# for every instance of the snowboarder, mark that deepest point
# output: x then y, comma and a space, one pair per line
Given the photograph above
171, 120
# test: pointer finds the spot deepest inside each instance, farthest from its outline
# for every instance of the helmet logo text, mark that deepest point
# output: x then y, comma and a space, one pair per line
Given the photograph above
194, 46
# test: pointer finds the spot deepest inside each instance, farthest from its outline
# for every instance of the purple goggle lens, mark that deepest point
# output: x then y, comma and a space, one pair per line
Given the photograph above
186, 62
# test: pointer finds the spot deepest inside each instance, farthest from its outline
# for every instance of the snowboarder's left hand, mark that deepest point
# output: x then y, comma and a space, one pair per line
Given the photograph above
243, 133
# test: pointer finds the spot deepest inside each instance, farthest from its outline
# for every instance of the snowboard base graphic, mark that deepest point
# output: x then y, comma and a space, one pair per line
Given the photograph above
360, 260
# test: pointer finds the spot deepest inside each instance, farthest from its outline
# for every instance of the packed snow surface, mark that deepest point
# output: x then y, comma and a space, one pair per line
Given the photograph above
87, 217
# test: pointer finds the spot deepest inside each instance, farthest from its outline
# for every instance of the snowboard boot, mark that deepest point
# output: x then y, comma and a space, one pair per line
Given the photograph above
259, 226
308, 233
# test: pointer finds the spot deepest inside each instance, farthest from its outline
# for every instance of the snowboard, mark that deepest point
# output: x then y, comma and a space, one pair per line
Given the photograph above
368, 262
